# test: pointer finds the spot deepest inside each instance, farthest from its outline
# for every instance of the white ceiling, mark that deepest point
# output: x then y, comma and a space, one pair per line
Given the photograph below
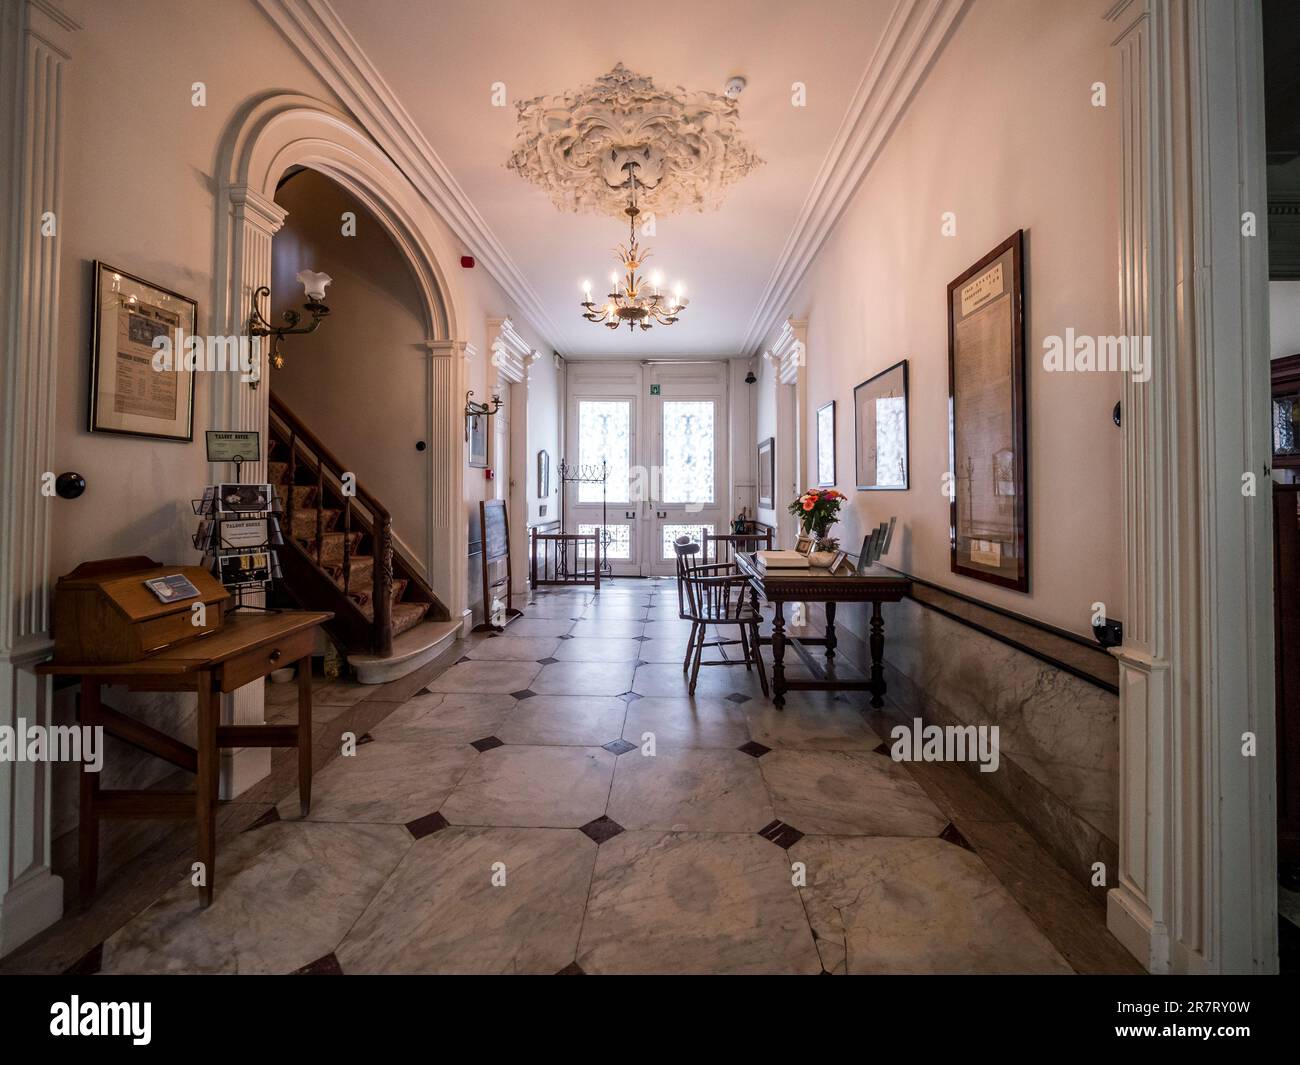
441, 60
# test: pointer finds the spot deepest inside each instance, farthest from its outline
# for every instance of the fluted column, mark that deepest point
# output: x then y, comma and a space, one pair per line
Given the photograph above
448, 520
252, 221
34, 54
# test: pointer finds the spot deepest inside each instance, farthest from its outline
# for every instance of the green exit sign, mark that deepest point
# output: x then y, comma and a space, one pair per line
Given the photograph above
654, 390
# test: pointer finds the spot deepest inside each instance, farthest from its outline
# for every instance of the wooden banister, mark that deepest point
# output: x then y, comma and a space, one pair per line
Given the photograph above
301, 440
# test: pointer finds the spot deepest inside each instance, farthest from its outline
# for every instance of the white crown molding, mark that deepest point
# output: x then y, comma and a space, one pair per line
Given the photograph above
916, 31
316, 31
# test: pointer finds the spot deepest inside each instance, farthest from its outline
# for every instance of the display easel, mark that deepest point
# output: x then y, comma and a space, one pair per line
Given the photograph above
494, 524
591, 474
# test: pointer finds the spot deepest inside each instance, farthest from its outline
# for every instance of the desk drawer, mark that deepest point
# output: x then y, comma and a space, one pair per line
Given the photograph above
258, 662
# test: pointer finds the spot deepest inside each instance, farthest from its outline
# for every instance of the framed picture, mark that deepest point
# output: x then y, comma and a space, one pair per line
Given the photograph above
767, 473
478, 441
804, 543
986, 429
543, 474
826, 445
880, 430
138, 383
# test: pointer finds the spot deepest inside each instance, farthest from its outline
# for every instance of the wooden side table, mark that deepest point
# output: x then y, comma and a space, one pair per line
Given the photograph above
246, 648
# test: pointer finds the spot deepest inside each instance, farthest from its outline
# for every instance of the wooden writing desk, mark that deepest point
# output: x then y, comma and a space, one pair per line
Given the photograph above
246, 648
817, 585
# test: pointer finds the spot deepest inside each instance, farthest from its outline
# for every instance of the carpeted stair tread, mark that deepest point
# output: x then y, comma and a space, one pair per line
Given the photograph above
304, 523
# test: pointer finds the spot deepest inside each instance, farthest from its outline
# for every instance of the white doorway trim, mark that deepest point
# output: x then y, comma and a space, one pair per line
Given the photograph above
1196, 889
513, 358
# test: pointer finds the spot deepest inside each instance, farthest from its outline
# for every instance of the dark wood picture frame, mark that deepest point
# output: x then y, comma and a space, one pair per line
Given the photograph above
860, 392
767, 465
95, 418
976, 285
821, 444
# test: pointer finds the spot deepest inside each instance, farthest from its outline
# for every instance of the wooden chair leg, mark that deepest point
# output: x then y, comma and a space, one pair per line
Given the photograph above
690, 646
744, 647
699, 649
88, 833
758, 658
205, 787
304, 735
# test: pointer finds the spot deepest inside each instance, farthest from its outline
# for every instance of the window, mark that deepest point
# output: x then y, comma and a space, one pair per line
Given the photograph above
618, 546
605, 435
688, 437
695, 532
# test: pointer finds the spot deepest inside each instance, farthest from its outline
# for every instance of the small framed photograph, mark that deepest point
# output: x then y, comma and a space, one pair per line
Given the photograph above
138, 383
826, 445
244, 498
838, 560
880, 430
804, 544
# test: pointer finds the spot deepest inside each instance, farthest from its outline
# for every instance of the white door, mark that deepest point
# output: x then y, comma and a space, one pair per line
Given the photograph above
661, 429
604, 413
688, 442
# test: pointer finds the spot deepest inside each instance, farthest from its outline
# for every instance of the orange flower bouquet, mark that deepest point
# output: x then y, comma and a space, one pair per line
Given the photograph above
817, 510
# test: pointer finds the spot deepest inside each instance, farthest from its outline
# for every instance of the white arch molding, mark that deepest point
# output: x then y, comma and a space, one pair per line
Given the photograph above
265, 140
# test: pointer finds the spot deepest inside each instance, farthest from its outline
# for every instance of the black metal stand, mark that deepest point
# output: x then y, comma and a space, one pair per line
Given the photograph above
588, 475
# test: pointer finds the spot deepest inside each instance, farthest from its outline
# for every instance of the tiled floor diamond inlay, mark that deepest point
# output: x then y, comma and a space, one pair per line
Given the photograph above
783, 835
427, 825
601, 829
487, 743
619, 746
754, 749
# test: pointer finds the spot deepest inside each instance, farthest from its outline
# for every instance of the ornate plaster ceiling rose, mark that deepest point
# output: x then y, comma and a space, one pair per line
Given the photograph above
577, 146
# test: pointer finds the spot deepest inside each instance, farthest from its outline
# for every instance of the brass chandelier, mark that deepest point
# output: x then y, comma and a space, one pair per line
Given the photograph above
631, 302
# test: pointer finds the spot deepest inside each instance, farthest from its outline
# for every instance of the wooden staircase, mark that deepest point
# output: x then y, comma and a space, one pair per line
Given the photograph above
338, 553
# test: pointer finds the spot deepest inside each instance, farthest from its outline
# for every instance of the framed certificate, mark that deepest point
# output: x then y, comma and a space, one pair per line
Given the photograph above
232, 446
986, 434
138, 383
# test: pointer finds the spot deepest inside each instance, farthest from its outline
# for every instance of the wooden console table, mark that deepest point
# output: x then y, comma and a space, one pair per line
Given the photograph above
246, 648
818, 585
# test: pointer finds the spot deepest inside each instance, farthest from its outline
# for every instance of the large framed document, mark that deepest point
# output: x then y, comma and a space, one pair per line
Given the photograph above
135, 323
986, 429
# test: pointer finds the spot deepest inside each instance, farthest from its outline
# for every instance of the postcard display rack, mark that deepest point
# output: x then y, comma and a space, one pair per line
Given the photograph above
239, 530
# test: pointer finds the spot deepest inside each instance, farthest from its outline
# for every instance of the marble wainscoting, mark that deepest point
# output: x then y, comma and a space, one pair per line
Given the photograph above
1058, 734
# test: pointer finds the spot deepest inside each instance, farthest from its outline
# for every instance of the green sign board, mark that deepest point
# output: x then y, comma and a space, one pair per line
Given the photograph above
654, 390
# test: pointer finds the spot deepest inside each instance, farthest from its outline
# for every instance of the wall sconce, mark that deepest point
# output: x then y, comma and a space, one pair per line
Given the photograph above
313, 285
478, 410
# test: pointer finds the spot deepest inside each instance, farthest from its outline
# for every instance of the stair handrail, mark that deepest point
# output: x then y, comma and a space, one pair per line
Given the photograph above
381, 523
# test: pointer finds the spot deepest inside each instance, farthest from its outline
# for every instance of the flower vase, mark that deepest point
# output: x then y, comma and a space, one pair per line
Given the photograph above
824, 549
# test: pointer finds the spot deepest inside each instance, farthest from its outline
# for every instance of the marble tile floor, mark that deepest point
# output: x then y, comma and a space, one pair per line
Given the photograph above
528, 810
